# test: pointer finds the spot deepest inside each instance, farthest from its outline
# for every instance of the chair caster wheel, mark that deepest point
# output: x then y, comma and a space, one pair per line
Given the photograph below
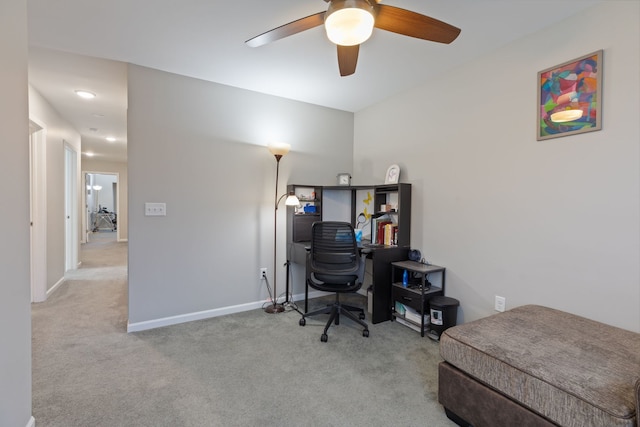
365, 333
361, 316
302, 322
324, 337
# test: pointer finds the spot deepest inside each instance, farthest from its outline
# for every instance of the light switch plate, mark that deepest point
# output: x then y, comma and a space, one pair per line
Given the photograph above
155, 209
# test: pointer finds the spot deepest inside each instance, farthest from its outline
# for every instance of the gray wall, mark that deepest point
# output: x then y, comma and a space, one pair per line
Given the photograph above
58, 131
551, 222
199, 147
15, 310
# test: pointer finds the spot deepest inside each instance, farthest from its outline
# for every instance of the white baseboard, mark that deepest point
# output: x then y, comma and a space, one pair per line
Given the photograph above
206, 314
32, 422
55, 287
190, 317
123, 240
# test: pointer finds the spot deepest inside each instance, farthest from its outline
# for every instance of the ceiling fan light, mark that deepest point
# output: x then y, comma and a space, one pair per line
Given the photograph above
566, 116
349, 22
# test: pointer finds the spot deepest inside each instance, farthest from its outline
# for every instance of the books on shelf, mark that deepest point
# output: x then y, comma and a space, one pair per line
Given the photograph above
391, 234
380, 232
384, 231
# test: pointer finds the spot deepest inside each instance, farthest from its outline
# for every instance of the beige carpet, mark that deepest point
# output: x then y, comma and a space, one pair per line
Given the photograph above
245, 369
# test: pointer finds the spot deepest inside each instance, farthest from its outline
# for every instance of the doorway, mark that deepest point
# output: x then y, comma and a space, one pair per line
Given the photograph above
101, 197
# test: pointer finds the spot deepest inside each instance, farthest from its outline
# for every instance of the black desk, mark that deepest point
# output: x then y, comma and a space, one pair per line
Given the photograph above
381, 259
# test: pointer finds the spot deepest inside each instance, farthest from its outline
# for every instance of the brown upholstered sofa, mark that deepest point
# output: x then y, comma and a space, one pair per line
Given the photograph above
536, 366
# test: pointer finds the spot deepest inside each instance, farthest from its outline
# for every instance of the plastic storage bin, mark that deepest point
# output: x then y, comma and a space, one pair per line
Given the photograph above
444, 314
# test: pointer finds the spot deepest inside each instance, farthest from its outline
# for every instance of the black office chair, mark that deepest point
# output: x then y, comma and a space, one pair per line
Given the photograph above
334, 264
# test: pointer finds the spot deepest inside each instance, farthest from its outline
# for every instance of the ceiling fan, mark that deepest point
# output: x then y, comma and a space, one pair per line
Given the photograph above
350, 22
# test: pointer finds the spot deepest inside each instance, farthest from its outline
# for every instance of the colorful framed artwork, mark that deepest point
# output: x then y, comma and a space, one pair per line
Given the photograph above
570, 97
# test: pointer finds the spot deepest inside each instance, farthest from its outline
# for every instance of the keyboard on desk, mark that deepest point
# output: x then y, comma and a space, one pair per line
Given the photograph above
372, 245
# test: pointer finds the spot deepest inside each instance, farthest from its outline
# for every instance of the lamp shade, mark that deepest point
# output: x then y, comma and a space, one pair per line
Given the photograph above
292, 200
349, 22
278, 148
566, 116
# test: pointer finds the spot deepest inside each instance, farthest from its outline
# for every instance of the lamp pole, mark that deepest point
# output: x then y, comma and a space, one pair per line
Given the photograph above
278, 150
275, 307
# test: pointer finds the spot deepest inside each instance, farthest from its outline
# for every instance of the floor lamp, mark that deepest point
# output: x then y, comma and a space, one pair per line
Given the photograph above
278, 150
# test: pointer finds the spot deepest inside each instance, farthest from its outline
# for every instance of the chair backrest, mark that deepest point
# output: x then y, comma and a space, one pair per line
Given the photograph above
334, 258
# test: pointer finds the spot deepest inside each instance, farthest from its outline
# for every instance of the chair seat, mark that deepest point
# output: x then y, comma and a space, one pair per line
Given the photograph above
326, 283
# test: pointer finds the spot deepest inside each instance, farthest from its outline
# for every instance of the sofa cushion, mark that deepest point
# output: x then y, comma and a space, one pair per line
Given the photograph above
569, 369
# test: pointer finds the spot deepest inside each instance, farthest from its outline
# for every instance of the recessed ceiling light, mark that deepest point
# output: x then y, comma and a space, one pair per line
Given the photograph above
85, 94
89, 154
93, 129
110, 138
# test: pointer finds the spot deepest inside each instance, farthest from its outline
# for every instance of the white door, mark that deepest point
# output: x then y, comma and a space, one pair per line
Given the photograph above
38, 210
71, 208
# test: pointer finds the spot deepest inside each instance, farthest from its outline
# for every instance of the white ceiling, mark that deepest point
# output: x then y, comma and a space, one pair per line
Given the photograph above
205, 40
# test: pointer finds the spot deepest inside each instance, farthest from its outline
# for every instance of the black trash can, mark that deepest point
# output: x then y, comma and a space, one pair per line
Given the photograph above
443, 313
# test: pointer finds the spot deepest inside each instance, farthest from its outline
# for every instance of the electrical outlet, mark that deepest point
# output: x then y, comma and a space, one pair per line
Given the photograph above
263, 273
500, 303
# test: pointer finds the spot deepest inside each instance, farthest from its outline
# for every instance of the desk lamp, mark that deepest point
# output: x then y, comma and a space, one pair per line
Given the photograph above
278, 150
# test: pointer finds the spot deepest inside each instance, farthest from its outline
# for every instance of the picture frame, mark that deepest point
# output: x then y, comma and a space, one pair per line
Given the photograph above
344, 179
393, 175
570, 97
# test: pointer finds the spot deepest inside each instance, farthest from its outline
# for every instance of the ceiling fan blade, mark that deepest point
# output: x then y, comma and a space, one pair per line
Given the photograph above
413, 24
347, 59
287, 30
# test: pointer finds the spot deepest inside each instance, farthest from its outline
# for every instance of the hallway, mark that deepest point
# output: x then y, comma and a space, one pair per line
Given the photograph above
69, 331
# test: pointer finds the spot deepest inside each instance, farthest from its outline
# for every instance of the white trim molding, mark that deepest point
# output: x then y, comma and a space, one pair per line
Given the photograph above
206, 314
55, 287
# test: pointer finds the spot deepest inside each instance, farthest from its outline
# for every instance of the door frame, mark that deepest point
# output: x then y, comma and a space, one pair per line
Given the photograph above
38, 208
85, 209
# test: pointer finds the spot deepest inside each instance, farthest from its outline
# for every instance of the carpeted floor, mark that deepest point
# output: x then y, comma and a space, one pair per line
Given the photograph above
245, 369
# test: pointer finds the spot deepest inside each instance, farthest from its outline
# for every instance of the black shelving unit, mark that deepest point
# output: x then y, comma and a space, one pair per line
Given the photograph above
402, 214
418, 292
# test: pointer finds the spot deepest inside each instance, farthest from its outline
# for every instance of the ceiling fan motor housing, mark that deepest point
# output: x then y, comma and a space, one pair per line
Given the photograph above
349, 22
